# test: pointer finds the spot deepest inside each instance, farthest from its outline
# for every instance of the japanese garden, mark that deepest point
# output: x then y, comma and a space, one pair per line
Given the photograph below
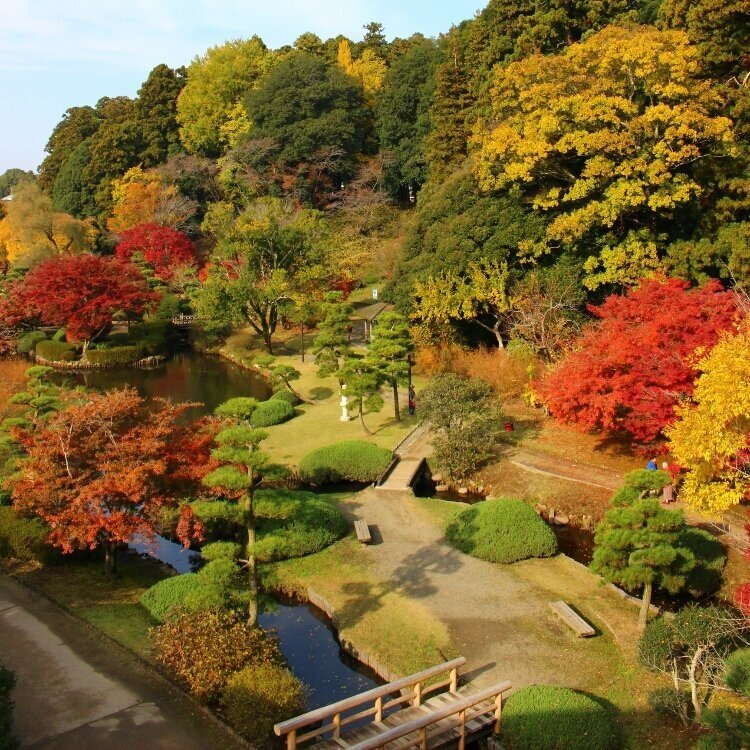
387, 392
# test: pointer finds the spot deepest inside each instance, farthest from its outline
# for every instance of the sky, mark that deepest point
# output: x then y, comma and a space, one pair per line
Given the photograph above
56, 54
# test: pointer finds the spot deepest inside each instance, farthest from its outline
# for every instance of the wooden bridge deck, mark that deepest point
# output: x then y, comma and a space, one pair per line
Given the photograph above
402, 478
400, 716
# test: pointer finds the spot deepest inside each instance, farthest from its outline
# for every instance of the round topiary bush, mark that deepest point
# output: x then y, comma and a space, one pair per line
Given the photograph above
221, 551
271, 412
295, 524
503, 530
738, 671
260, 696
286, 395
56, 351
544, 717
168, 596
705, 578
347, 461
27, 343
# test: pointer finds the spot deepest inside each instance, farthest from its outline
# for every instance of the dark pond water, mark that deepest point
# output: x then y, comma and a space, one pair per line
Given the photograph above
307, 638
187, 376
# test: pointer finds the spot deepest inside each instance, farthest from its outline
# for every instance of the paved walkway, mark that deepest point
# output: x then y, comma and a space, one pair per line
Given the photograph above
75, 692
498, 615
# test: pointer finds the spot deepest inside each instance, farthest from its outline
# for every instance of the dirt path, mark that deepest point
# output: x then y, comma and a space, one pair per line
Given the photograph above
498, 615
570, 471
75, 691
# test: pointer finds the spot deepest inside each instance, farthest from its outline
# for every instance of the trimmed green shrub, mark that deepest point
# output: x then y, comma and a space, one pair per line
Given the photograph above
286, 395
168, 596
204, 649
260, 696
222, 518
347, 461
647, 480
503, 530
117, 355
295, 524
705, 578
543, 717
24, 538
7, 682
221, 551
239, 407
738, 671
60, 334
151, 336
27, 343
730, 729
56, 351
271, 412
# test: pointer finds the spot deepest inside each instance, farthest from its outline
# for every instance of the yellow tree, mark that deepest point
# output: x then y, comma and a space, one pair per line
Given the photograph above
479, 295
606, 137
369, 69
710, 438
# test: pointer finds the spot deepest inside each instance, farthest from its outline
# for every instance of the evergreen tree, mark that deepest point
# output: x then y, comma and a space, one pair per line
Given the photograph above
71, 191
637, 547
389, 352
332, 342
363, 382
374, 39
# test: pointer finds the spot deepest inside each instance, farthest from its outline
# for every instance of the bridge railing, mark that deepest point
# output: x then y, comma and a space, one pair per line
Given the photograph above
461, 709
373, 703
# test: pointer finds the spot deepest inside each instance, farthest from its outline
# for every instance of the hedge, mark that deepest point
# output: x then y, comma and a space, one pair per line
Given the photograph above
168, 596
271, 412
221, 551
295, 524
56, 351
60, 335
117, 355
544, 717
705, 578
7, 740
27, 343
24, 538
285, 395
347, 461
503, 530
260, 696
738, 671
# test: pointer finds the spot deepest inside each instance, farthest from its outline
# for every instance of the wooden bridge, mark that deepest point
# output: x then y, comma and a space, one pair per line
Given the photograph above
399, 715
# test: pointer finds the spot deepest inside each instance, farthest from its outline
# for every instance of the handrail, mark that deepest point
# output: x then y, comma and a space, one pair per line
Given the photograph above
434, 716
311, 717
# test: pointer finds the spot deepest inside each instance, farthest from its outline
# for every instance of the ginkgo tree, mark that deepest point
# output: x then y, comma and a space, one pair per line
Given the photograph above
710, 437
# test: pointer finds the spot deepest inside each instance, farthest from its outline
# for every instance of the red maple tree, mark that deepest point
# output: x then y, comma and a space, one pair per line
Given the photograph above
78, 292
634, 364
164, 248
101, 471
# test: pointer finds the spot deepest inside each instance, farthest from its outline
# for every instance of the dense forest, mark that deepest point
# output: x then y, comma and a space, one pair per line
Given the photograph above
537, 142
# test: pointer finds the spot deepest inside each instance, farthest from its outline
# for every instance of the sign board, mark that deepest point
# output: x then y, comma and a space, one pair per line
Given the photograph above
374, 293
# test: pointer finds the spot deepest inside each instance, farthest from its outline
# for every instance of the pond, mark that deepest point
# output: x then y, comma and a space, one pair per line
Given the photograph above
307, 638
187, 376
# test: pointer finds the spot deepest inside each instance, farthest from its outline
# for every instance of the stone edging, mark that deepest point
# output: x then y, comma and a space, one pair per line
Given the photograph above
156, 359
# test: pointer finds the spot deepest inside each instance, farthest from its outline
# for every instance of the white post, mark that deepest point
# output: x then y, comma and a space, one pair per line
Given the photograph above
344, 405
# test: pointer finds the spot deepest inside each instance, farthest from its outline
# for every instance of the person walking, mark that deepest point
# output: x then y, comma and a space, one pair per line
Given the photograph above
412, 400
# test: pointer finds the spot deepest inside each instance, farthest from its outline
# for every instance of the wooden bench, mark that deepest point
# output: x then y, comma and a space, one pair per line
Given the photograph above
363, 531
572, 619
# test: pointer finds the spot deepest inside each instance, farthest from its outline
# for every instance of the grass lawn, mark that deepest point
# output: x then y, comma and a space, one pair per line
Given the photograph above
318, 423
109, 603
400, 634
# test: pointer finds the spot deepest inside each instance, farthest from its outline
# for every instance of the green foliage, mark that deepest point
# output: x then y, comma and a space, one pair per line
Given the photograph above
705, 578
730, 730
295, 524
202, 650
7, 682
240, 407
56, 351
271, 412
116, 355
24, 538
647, 480
260, 696
347, 461
332, 342
738, 671
59, 335
555, 718
285, 395
221, 551
27, 343
10, 178
72, 192
502, 530
220, 517
670, 702
168, 595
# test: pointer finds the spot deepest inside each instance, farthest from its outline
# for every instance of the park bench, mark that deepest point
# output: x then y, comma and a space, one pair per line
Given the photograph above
363, 531
572, 619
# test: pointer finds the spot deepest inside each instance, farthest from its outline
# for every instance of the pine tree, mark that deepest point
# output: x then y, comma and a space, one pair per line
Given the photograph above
389, 352
332, 342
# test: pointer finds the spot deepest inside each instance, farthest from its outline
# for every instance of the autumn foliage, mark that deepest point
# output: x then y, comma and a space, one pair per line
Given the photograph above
78, 292
162, 247
632, 367
102, 470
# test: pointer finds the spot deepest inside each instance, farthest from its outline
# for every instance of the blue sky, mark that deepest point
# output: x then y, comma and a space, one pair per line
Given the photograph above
55, 54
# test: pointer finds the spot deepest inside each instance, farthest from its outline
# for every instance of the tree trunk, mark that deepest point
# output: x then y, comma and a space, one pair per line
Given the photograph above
695, 674
645, 606
496, 331
302, 341
362, 419
396, 410
110, 557
252, 572
268, 341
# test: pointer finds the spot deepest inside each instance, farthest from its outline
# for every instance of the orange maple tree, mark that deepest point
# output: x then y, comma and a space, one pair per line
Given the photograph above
101, 471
